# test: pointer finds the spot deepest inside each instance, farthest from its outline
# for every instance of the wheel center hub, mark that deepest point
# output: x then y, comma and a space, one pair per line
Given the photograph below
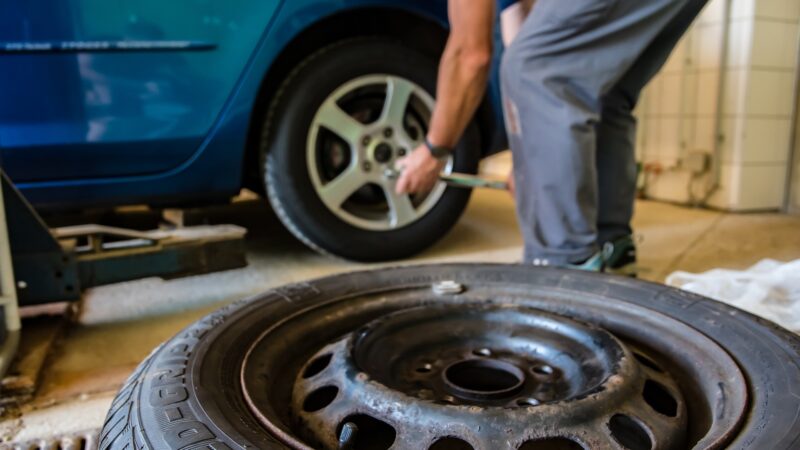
486, 356
479, 379
382, 153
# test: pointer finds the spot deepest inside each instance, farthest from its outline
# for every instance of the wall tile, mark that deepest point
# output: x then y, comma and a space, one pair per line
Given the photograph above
707, 92
703, 138
766, 140
726, 195
735, 90
677, 59
671, 94
669, 186
732, 132
778, 9
774, 44
669, 140
655, 90
769, 93
690, 89
712, 13
758, 101
762, 187
707, 45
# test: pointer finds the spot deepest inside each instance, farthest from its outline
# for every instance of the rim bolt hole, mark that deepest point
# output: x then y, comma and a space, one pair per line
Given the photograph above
483, 352
526, 402
366, 140
401, 152
425, 368
388, 132
543, 370
367, 167
316, 366
320, 398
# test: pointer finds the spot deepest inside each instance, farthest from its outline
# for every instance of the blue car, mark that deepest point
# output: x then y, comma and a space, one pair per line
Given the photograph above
309, 102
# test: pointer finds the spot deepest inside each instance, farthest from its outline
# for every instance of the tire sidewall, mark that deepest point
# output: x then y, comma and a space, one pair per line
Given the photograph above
194, 377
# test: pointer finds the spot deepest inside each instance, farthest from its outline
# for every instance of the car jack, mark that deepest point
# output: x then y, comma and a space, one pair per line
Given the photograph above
56, 265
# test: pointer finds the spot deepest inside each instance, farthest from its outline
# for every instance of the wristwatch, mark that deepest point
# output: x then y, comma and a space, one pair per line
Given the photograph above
438, 151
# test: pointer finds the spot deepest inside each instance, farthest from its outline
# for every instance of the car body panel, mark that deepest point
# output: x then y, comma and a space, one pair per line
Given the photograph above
115, 113
100, 127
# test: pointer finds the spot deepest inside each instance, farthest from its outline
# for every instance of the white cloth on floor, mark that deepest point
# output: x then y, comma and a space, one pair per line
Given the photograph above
770, 289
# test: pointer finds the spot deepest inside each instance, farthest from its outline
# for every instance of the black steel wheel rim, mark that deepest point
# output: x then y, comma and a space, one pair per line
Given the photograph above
635, 384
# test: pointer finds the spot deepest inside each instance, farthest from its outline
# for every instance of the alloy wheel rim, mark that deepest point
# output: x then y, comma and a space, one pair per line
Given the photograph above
355, 139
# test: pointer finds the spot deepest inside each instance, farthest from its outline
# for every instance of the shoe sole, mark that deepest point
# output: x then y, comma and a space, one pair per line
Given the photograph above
628, 270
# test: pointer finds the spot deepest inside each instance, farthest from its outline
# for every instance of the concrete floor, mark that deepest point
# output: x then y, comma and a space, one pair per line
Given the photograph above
118, 325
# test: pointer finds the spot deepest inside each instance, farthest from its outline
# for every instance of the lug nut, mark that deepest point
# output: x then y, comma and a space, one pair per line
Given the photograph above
366, 140
367, 166
401, 152
388, 132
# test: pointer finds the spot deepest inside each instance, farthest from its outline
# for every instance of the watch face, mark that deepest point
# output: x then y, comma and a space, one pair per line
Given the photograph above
438, 152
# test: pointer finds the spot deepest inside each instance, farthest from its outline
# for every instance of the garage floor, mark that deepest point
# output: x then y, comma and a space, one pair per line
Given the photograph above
119, 325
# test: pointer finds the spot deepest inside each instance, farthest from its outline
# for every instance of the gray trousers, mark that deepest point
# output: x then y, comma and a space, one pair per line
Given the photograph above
570, 80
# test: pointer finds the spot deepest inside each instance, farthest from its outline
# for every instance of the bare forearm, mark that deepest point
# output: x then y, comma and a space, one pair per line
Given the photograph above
463, 70
461, 85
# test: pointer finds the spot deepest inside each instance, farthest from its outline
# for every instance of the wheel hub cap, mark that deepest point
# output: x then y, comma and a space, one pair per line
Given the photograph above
383, 153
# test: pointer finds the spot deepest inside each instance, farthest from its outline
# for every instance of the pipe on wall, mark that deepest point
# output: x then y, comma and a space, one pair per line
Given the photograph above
719, 137
792, 189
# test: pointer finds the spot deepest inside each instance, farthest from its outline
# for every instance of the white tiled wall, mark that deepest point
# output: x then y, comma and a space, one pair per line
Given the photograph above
678, 110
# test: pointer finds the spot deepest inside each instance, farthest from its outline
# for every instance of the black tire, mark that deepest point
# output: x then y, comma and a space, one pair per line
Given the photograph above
285, 171
188, 393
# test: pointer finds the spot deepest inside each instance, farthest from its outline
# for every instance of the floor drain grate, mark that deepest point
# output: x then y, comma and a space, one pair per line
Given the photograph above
86, 440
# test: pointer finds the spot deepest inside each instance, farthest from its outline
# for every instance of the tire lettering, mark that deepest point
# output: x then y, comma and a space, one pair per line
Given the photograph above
168, 395
185, 434
169, 375
181, 348
173, 414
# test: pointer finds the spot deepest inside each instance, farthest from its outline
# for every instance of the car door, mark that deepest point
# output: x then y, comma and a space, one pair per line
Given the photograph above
112, 88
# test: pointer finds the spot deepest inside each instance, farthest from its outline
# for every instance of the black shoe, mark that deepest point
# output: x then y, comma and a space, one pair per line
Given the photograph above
619, 256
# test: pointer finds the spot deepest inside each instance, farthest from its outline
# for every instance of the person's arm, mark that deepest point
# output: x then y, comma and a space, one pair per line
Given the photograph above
463, 73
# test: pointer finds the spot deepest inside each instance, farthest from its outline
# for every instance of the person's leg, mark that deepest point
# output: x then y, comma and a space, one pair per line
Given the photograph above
567, 57
616, 132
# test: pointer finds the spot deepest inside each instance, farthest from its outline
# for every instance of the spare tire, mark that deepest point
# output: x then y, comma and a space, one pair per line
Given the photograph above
467, 356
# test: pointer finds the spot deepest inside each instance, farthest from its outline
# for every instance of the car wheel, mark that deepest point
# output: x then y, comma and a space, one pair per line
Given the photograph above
467, 357
332, 138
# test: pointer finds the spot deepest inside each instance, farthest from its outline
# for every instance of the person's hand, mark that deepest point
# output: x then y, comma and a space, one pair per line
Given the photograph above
419, 171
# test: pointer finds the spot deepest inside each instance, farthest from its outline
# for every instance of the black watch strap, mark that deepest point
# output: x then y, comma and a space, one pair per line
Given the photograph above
438, 151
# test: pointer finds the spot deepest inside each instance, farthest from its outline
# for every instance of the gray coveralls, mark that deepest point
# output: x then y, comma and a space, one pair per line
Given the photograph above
571, 79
